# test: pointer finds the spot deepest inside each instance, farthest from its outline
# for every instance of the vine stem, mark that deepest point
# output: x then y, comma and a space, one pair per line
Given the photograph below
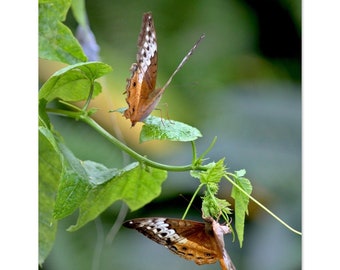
88, 100
261, 205
192, 200
85, 118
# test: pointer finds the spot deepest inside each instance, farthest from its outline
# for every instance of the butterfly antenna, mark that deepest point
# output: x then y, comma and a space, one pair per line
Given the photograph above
183, 61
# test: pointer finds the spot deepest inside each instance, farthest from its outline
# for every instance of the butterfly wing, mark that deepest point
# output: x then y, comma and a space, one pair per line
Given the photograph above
147, 56
188, 239
197, 243
141, 94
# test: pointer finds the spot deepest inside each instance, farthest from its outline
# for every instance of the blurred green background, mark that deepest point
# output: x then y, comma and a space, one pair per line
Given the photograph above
242, 84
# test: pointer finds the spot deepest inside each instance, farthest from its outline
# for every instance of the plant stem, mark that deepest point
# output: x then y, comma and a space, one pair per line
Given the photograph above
262, 206
85, 118
194, 152
192, 200
87, 103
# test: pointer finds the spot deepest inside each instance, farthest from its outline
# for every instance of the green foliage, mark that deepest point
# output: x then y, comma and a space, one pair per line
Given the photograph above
56, 41
67, 183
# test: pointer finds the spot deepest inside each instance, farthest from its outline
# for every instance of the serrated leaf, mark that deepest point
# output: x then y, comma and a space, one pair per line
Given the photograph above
74, 185
73, 83
156, 128
241, 204
214, 173
136, 185
56, 41
212, 206
50, 170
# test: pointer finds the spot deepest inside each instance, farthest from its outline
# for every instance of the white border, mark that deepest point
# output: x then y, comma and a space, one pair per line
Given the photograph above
321, 134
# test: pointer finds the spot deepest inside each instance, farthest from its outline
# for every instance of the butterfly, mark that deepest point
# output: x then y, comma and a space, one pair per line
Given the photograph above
200, 242
142, 95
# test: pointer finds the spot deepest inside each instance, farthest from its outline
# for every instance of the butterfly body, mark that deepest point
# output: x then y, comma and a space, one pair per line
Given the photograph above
191, 240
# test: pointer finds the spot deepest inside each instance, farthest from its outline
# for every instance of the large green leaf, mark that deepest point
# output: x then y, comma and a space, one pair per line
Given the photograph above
73, 83
136, 184
56, 41
50, 171
98, 173
74, 185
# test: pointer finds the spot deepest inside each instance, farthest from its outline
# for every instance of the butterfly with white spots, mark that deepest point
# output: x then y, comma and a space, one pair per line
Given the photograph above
142, 94
200, 242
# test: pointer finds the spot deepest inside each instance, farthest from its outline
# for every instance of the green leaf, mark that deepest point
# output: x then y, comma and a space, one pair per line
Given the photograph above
136, 184
44, 120
56, 41
74, 185
73, 83
241, 203
213, 207
50, 171
98, 173
156, 128
196, 174
241, 173
214, 173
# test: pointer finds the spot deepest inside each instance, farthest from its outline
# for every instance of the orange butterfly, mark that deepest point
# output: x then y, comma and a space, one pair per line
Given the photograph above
142, 97
200, 242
